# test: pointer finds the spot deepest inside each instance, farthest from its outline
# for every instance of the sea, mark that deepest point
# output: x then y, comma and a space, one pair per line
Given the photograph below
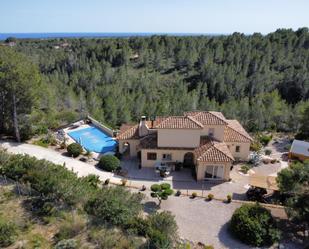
3, 36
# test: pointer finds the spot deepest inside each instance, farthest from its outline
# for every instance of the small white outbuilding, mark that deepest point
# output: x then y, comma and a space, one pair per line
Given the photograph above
299, 150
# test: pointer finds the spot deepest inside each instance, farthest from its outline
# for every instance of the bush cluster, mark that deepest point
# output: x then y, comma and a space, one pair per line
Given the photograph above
109, 163
210, 197
245, 168
116, 206
62, 190
254, 225
160, 228
56, 183
74, 149
265, 139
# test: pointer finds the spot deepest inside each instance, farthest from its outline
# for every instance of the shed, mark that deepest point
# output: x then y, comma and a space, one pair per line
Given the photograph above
299, 150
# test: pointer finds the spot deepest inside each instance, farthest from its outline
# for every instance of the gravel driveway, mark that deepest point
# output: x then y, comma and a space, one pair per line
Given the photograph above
202, 221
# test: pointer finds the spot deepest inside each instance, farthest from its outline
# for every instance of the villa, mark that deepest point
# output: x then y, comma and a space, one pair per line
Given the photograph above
203, 140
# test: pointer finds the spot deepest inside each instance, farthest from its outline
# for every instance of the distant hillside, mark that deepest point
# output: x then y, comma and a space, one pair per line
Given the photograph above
261, 80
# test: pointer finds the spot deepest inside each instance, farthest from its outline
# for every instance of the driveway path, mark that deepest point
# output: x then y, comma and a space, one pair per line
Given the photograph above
81, 168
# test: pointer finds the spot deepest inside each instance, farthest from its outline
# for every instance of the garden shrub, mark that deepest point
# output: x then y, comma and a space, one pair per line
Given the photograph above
66, 244
41, 143
194, 194
228, 198
264, 139
254, 225
161, 191
267, 152
256, 145
245, 168
74, 149
8, 232
109, 163
165, 186
210, 197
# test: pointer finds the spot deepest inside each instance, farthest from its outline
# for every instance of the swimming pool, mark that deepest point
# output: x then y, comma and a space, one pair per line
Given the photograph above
93, 139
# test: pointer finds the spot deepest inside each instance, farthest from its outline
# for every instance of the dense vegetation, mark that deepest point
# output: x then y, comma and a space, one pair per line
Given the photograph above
254, 225
293, 183
90, 215
261, 80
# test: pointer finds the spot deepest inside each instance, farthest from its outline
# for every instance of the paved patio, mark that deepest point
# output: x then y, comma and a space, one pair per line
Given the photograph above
182, 180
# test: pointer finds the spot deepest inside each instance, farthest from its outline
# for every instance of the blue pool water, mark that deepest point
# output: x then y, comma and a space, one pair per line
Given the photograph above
94, 140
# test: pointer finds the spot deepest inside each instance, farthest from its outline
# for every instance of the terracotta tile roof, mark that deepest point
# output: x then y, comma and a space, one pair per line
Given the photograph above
234, 132
128, 132
208, 118
179, 122
213, 151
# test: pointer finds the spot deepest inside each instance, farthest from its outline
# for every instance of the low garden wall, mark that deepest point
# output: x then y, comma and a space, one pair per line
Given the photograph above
106, 129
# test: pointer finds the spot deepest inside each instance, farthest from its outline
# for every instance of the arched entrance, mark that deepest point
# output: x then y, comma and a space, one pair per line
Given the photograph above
188, 160
126, 149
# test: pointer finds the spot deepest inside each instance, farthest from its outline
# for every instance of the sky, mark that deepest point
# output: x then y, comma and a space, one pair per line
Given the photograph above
153, 16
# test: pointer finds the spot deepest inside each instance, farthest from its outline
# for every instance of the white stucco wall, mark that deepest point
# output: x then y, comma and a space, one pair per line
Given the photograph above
201, 168
177, 155
219, 131
185, 138
243, 154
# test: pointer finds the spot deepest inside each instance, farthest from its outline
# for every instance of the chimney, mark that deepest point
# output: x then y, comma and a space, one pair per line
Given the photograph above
153, 118
143, 129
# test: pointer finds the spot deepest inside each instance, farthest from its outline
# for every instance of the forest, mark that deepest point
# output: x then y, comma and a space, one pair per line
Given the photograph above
261, 80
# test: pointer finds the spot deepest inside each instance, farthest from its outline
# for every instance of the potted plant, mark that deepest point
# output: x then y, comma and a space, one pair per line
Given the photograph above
228, 198
210, 197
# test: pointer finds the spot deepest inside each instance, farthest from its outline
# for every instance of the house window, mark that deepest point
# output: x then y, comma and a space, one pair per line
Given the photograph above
151, 156
167, 157
211, 132
237, 149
